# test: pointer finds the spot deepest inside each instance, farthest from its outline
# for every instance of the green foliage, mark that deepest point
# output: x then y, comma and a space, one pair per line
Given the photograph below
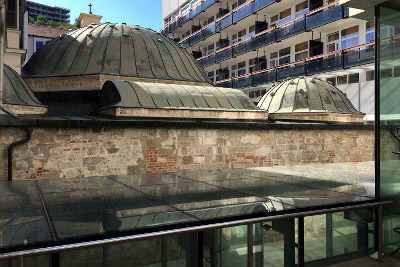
64, 24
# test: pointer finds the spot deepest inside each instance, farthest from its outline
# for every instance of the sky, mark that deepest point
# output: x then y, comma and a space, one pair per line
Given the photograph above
145, 13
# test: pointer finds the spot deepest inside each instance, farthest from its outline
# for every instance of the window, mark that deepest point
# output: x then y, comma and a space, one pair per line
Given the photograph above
257, 93
370, 31
284, 55
222, 74
241, 68
332, 42
211, 75
386, 73
301, 8
241, 2
370, 75
342, 79
396, 71
274, 59
354, 78
39, 44
331, 80
238, 69
251, 94
349, 37
301, 51
285, 15
208, 50
274, 19
252, 30
252, 65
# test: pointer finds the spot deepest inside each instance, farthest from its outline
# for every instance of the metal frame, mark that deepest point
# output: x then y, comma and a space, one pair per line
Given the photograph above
20, 255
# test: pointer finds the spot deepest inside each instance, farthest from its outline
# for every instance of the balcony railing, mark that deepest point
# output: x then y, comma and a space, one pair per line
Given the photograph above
322, 16
242, 11
290, 28
318, 17
189, 14
352, 56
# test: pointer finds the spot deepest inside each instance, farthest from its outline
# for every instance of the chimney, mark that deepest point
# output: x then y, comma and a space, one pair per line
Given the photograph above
87, 19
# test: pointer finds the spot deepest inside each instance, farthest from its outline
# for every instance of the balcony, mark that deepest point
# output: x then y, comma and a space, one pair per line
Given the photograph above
353, 56
291, 28
243, 82
182, 19
359, 56
242, 11
223, 22
318, 17
234, 16
291, 70
223, 55
242, 47
264, 38
260, 4
277, 33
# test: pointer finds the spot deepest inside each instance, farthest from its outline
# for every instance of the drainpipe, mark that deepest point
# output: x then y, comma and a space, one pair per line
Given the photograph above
2, 46
10, 151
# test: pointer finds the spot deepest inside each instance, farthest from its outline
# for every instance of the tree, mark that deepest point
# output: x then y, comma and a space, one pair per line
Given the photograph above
63, 24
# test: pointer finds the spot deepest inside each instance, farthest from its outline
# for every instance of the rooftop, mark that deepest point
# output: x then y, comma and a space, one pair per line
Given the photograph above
45, 31
133, 204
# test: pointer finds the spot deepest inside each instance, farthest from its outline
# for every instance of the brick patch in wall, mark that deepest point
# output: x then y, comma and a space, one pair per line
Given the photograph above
157, 161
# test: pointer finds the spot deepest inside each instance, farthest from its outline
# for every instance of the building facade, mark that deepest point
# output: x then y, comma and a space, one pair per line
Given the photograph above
51, 12
16, 25
251, 45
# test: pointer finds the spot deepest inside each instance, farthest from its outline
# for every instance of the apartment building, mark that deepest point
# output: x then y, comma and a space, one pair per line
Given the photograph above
251, 45
51, 12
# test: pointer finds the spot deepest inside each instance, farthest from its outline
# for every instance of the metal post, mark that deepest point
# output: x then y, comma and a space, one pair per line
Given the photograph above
300, 240
164, 253
379, 234
329, 235
20, 261
250, 245
105, 256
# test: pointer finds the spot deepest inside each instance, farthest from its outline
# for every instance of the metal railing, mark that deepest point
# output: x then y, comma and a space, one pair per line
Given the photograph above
300, 24
340, 59
21, 255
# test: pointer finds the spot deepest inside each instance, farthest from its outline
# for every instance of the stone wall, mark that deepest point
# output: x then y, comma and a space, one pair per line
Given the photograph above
84, 152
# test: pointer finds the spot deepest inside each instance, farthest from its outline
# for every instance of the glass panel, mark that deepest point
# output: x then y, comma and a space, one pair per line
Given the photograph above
336, 234
389, 120
9, 263
274, 243
39, 261
22, 217
85, 257
234, 246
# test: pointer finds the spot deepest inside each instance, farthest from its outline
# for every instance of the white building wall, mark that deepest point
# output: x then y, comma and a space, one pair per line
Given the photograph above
170, 6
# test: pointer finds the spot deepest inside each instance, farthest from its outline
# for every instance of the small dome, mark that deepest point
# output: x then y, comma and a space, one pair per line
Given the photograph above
306, 95
115, 49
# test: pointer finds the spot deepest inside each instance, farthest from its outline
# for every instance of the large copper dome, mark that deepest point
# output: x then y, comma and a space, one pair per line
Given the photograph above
115, 49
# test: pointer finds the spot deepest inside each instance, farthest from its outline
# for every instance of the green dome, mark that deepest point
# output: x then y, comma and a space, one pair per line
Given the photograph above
306, 94
115, 49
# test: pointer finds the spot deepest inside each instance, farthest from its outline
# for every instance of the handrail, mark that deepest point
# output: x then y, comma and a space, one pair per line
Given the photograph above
299, 61
124, 239
183, 14
217, 20
260, 33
